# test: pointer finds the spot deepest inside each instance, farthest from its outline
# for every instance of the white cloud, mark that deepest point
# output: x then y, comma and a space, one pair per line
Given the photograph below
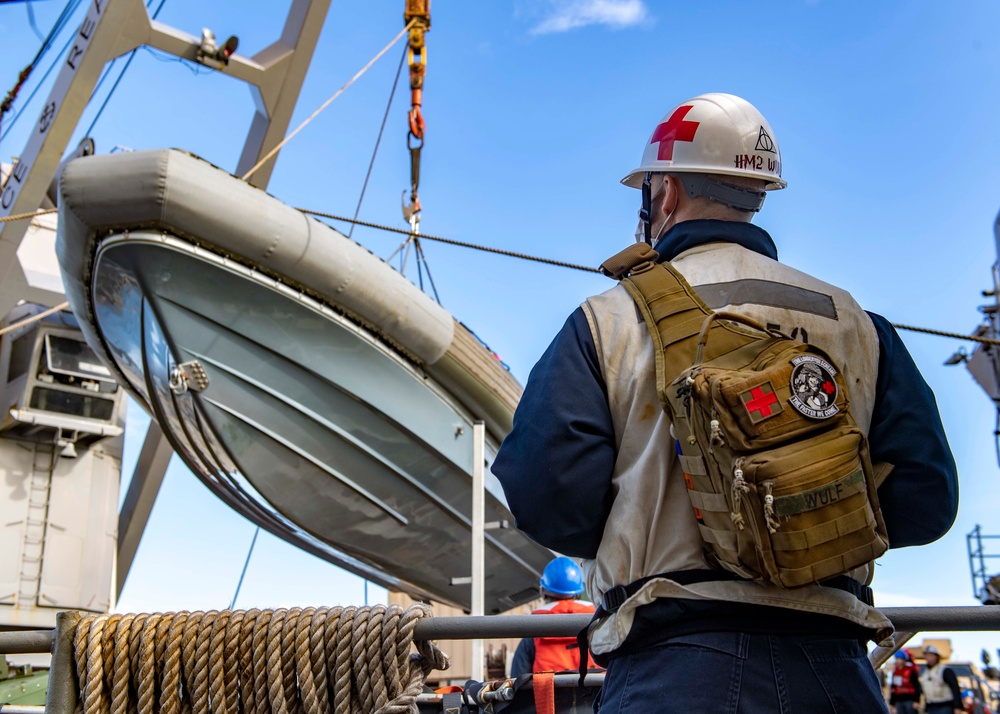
571, 14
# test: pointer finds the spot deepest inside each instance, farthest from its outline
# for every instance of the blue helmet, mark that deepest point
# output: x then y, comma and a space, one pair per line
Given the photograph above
562, 577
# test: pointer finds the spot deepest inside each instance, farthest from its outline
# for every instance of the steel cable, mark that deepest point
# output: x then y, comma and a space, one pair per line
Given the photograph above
450, 241
499, 251
955, 335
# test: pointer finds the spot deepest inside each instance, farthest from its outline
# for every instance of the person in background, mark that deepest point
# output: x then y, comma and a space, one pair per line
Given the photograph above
904, 685
561, 586
940, 685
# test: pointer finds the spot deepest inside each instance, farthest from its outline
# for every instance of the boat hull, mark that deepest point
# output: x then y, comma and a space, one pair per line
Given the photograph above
311, 423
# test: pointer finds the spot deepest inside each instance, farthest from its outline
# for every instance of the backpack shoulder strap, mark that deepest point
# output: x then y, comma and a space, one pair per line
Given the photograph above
672, 311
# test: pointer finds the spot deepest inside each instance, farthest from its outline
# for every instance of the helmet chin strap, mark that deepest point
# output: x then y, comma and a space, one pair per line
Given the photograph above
646, 212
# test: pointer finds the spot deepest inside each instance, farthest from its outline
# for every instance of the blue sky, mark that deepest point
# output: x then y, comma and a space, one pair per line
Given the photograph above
885, 114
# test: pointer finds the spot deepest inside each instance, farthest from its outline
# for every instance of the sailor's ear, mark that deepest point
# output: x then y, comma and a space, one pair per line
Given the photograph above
672, 190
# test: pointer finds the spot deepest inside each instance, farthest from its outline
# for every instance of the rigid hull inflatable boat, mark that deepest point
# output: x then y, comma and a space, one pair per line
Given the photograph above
308, 384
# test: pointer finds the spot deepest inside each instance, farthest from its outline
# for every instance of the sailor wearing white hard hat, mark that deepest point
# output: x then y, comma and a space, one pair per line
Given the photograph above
942, 694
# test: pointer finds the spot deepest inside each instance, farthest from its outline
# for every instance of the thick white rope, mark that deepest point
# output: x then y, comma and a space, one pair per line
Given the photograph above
34, 318
328, 102
26, 216
297, 661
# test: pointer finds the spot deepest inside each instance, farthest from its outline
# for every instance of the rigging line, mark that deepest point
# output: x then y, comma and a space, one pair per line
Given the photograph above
34, 318
104, 75
406, 254
328, 102
420, 252
32, 21
420, 267
378, 141
26, 216
522, 256
41, 83
57, 28
196, 69
121, 74
111, 92
956, 335
245, 564
449, 241
399, 248
996, 436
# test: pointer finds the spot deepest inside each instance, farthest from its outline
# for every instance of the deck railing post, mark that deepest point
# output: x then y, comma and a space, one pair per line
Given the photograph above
478, 535
60, 698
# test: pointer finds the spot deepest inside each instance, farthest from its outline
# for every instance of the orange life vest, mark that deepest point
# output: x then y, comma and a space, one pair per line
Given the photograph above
560, 654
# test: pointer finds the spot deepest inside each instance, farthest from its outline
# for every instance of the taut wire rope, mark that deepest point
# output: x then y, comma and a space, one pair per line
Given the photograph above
378, 141
956, 335
57, 28
499, 251
121, 75
574, 266
341, 660
449, 241
267, 157
523, 256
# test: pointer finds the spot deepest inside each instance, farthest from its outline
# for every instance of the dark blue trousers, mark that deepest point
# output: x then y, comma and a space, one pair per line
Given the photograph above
738, 673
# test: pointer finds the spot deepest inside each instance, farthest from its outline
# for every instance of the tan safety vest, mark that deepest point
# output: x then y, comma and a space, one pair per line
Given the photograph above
651, 528
935, 689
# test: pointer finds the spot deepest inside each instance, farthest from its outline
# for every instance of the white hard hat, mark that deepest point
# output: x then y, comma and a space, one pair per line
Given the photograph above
712, 134
931, 649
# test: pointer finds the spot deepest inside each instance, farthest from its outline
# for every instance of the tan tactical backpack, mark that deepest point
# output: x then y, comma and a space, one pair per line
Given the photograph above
777, 470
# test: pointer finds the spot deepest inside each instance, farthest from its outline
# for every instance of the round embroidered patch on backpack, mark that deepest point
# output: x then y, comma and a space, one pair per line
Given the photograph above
814, 389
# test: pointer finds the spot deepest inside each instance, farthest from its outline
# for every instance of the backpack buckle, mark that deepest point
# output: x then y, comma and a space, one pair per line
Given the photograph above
622, 263
614, 599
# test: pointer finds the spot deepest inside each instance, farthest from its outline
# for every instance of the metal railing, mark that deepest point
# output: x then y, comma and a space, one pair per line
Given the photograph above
61, 697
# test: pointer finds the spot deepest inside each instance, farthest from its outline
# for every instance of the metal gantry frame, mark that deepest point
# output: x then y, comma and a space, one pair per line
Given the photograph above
110, 29
113, 28
978, 556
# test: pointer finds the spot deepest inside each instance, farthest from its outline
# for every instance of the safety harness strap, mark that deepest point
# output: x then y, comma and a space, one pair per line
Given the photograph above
693, 465
451, 703
544, 684
709, 501
677, 322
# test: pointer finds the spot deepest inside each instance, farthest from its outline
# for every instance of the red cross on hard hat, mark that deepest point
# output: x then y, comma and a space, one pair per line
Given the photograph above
712, 134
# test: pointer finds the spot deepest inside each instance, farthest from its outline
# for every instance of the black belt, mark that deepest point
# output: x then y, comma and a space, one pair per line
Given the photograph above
615, 597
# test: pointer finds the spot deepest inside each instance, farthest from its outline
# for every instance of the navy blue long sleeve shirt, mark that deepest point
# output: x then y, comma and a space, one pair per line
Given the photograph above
556, 464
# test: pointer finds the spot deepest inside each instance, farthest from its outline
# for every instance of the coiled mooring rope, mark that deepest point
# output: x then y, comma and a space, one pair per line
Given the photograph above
344, 660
